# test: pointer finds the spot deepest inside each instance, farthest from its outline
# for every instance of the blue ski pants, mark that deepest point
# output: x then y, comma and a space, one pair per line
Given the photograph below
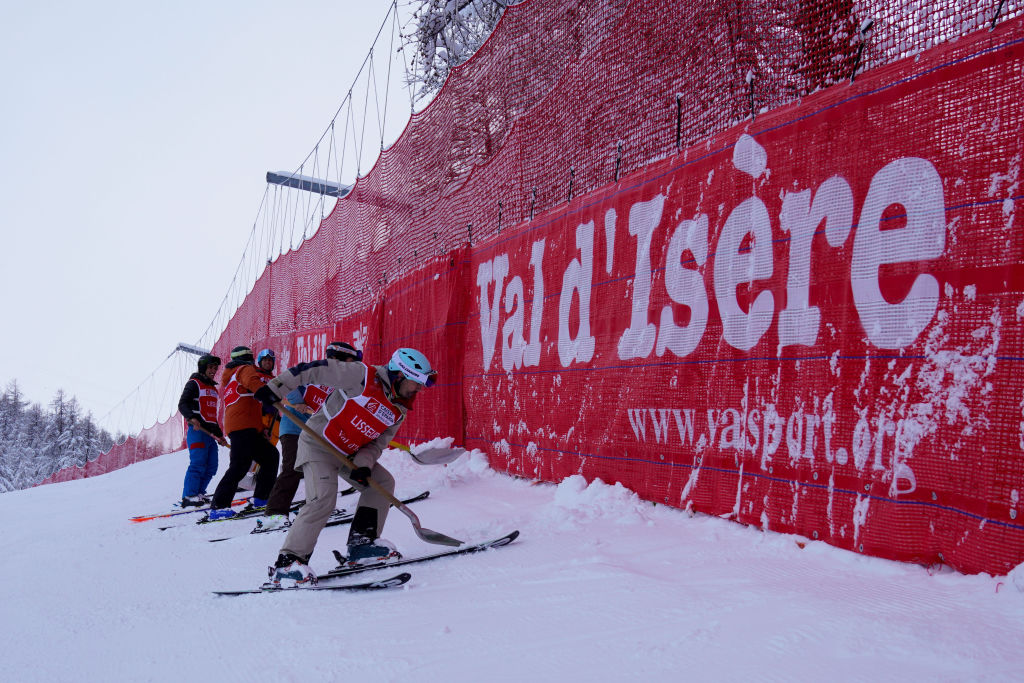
202, 465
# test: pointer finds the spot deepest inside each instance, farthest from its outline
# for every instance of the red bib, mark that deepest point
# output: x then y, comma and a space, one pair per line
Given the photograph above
361, 419
234, 391
207, 403
315, 395
231, 394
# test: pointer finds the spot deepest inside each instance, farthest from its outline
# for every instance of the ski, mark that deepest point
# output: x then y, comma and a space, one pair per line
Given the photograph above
245, 513
393, 582
206, 508
248, 513
184, 511
337, 518
342, 570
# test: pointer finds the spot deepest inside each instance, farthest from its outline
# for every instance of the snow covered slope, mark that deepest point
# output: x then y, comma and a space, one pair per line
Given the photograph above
599, 587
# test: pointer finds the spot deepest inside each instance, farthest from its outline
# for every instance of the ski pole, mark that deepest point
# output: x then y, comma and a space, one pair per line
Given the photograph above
426, 534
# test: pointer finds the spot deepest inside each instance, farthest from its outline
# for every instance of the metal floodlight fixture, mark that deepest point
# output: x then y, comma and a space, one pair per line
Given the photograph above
189, 348
309, 184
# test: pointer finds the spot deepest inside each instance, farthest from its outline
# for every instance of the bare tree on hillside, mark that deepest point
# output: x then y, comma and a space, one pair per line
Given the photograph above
445, 34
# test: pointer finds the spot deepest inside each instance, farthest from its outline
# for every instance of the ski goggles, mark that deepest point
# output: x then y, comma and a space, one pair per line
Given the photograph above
346, 350
427, 379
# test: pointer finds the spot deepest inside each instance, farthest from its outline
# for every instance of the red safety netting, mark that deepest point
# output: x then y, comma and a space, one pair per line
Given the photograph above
808, 320
676, 246
160, 439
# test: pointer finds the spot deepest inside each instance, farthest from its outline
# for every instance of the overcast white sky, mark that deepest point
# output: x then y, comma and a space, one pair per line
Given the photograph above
135, 138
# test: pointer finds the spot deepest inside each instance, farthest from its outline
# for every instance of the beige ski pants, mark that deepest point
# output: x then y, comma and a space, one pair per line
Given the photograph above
321, 480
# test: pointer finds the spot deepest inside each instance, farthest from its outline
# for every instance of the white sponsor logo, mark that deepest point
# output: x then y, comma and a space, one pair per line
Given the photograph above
733, 262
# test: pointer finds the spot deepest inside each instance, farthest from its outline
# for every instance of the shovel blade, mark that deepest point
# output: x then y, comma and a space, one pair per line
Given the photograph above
437, 456
436, 537
426, 534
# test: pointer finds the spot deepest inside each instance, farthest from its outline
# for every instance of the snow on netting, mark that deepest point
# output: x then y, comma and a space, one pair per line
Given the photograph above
680, 246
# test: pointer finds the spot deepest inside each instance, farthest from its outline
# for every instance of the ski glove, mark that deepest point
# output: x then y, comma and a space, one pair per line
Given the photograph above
268, 398
360, 475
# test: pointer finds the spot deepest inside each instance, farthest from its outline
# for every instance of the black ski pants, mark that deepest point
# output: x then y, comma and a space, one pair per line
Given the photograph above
247, 445
288, 481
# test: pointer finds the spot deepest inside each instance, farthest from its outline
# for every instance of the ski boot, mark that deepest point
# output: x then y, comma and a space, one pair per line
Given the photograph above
362, 551
271, 522
290, 569
255, 505
221, 513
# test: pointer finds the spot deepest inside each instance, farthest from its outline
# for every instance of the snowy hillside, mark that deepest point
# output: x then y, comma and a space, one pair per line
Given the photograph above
599, 587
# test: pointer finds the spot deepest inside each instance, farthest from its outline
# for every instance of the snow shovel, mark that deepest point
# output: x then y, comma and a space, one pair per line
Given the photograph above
431, 456
219, 439
426, 534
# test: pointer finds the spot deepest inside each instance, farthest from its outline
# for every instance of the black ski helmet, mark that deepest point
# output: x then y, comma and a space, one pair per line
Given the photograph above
344, 351
242, 354
206, 360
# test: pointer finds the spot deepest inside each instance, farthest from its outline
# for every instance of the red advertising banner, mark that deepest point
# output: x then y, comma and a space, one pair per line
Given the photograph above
309, 346
362, 331
812, 323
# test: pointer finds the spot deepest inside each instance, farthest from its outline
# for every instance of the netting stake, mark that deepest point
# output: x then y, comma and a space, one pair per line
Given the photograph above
865, 28
679, 125
618, 159
533, 202
469, 230
995, 18
572, 180
499, 217
750, 94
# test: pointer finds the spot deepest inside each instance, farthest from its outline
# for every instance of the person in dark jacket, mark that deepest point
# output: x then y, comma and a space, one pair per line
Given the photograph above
243, 421
198, 405
306, 400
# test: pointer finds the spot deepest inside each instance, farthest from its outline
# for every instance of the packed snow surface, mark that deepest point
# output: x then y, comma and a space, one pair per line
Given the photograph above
600, 586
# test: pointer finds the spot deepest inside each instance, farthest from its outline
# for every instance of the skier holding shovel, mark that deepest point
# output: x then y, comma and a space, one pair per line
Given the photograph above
356, 423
